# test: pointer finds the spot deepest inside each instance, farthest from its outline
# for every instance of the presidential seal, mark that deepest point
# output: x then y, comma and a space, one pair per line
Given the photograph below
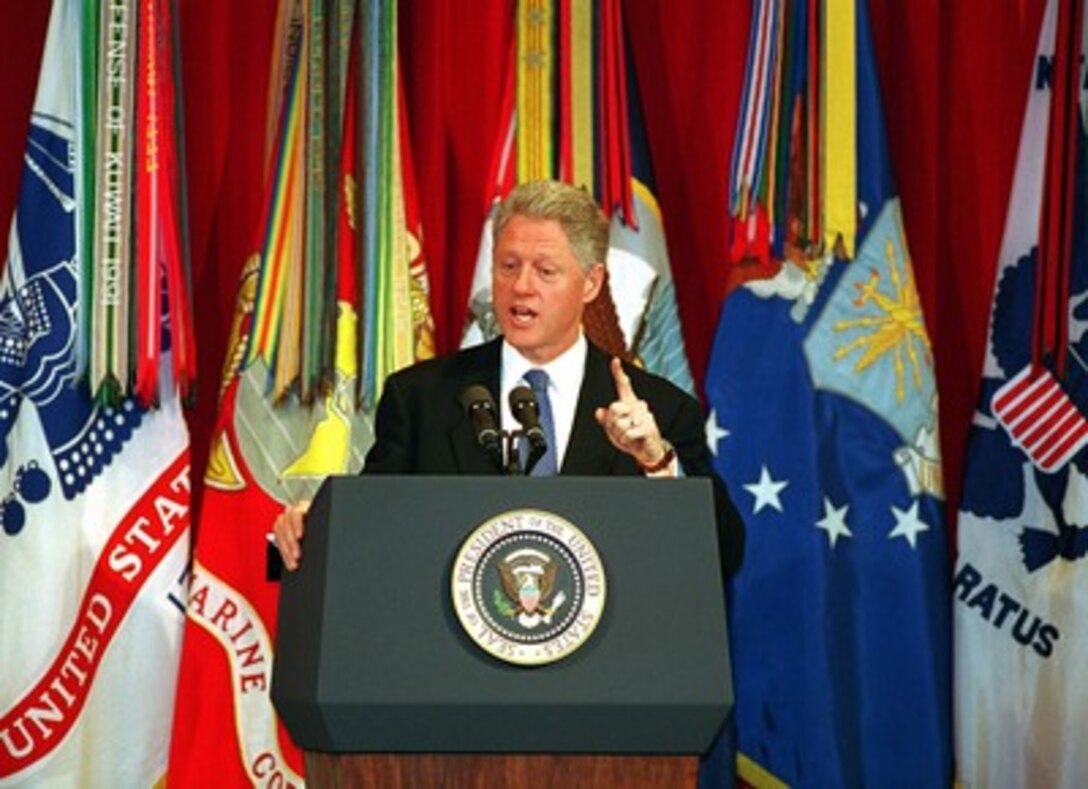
528, 587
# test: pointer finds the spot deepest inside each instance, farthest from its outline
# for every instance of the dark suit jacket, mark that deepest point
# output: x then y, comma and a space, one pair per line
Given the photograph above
421, 427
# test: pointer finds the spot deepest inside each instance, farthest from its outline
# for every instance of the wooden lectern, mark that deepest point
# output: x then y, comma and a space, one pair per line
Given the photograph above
381, 685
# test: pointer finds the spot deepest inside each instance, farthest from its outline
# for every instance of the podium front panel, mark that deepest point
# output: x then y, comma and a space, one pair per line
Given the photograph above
372, 658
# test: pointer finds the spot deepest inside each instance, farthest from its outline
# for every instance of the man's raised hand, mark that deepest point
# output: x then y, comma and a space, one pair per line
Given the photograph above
629, 423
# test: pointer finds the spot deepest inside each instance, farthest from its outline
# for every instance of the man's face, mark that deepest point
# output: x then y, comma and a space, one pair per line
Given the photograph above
539, 288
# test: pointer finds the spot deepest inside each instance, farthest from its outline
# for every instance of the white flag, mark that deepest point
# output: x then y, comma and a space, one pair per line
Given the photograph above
94, 501
1021, 582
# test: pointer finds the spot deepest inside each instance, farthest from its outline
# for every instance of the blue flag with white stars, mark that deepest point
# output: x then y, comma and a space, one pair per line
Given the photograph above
824, 426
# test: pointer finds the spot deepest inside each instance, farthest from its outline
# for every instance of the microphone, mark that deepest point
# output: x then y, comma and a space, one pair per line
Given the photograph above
526, 410
479, 405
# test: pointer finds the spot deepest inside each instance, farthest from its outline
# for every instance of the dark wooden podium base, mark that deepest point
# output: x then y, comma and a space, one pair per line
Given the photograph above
480, 771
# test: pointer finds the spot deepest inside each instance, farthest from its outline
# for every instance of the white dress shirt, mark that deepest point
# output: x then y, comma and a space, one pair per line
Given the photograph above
565, 374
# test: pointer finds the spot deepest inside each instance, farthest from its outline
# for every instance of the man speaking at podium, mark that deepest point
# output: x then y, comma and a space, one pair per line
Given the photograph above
581, 413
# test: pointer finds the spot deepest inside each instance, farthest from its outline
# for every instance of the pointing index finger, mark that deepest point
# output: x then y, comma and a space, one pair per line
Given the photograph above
624, 390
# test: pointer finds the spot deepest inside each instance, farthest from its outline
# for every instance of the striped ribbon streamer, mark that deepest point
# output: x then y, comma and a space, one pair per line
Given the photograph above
343, 18
183, 337
374, 46
288, 255
769, 186
787, 207
324, 324
813, 216
330, 36
396, 309
397, 345
318, 138
158, 248
347, 213
85, 173
793, 181
359, 231
750, 144
110, 357
838, 127
1052, 285
535, 90
282, 230
615, 150
151, 248
576, 81
379, 325
346, 347
286, 40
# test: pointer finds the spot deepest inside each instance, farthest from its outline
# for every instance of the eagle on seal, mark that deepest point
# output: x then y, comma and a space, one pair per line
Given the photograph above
528, 578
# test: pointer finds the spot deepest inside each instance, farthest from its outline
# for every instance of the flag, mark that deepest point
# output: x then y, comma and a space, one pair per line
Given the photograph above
571, 63
824, 426
95, 495
1020, 589
273, 446
639, 270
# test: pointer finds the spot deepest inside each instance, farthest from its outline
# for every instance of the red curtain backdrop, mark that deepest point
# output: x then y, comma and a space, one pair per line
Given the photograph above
954, 77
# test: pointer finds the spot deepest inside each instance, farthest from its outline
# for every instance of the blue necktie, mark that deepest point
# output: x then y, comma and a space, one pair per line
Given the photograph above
538, 382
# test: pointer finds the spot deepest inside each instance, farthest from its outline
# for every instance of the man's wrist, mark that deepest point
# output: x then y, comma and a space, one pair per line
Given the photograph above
662, 463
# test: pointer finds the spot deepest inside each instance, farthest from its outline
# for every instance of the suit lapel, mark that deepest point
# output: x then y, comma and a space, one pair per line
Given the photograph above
589, 451
480, 368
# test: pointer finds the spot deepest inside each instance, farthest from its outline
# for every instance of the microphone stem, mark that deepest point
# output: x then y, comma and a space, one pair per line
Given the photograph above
513, 461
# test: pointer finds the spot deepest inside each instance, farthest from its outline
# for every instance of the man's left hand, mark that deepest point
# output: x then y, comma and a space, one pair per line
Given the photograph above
629, 423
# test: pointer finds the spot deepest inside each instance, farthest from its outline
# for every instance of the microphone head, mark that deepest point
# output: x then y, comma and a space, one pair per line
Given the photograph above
524, 406
477, 396
480, 408
526, 410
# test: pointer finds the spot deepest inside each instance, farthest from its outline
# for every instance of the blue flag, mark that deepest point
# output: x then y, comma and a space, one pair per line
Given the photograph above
824, 426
